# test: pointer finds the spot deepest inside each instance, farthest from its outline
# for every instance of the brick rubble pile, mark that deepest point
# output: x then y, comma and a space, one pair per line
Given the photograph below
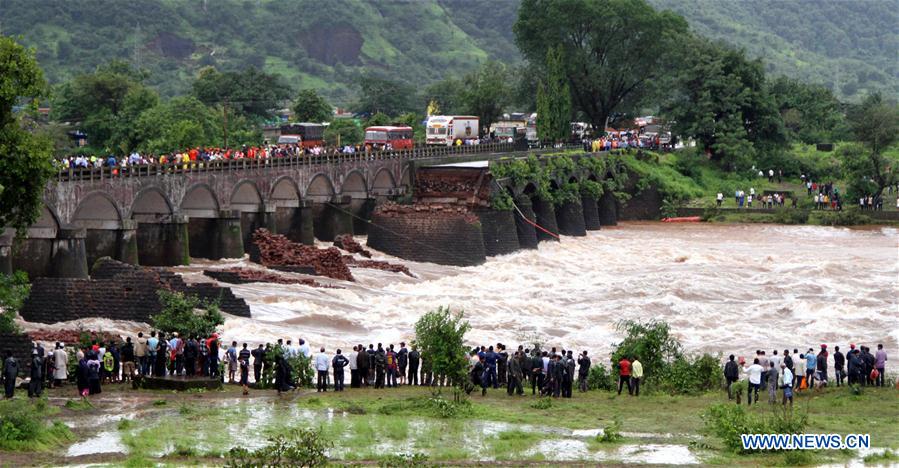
277, 250
249, 275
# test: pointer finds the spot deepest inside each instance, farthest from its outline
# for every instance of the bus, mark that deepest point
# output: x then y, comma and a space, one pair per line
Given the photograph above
444, 130
399, 138
307, 134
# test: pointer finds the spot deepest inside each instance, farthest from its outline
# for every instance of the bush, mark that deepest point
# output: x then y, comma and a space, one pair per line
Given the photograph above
22, 427
542, 403
727, 422
405, 460
789, 216
440, 335
651, 341
186, 314
296, 447
600, 378
847, 217
691, 375
14, 289
611, 433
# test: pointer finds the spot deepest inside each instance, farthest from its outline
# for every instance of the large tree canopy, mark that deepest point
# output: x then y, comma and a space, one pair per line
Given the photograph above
721, 100
309, 106
614, 49
811, 113
25, 163
554, 99
870, 168
485, 92
251, 92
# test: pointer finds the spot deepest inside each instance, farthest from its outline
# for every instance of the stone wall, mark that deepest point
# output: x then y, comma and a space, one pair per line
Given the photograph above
645, 205
546, 218
608, 210
117, 291
428, 233
498, 229
527, 233
21, 346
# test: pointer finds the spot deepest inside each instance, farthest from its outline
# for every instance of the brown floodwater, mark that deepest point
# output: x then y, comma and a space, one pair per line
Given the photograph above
722, 288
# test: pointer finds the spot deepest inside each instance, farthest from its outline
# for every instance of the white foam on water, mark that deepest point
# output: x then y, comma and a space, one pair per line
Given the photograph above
104, 442
723, 288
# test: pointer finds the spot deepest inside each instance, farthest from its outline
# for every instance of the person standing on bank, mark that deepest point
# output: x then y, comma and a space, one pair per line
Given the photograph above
624, 375
731, 375
61, 357
321, 366
787, 379
414, 361
636, 375
583, 371
338, 363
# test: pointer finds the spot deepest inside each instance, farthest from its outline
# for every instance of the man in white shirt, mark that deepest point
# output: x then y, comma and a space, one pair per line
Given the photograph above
304, 348
787, 384
322, 364
354, 367
755, 380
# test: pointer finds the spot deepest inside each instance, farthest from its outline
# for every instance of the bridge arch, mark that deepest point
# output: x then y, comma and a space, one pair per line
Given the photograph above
200, 202
320, 188
406, 179
246, 197
285, 192
354, 185
151, 204
384, 182
97, 210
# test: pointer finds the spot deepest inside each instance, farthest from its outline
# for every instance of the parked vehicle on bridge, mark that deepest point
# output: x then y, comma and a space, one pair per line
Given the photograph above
399, 138
446, 129
309, 135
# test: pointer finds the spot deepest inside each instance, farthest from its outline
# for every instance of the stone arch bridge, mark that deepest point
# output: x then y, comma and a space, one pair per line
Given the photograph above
161, 215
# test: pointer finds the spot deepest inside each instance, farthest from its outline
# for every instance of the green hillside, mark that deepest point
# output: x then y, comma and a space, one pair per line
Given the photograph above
850, 46
326, 44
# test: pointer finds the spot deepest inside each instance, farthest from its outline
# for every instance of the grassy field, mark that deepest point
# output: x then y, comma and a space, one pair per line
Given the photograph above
365, 425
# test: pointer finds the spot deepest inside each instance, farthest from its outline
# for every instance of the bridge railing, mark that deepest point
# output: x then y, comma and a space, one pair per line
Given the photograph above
153, 170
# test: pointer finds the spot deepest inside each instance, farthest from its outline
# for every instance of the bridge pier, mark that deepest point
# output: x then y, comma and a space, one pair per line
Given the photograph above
497, 228
69, 256
591, 213
250, 221
546, 217
45, 252
332, 218
527, 233
608, 210
165, 243
570, 219
117, 240
216, 238
362, 208
295, 222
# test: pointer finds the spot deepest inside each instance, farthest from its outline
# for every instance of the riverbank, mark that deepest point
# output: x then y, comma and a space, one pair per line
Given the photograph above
136, 428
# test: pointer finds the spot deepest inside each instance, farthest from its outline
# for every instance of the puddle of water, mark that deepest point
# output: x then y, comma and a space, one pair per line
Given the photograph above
657, 454
560, 450
104, 442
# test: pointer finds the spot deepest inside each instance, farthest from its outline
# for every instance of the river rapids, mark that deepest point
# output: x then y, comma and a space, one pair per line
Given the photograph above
723, 289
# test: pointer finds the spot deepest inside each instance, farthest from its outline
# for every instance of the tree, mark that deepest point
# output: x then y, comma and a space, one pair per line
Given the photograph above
346, 131
186, 314
251, 92
440, 335
721, 101
870, 168
309, 106
105, 103
377, 94
554, 99
14, 289
25, 159
446, 94
613, 49
178, 124
485, 92
811, 113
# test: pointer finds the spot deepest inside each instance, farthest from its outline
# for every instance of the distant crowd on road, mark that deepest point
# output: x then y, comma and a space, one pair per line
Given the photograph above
788, 373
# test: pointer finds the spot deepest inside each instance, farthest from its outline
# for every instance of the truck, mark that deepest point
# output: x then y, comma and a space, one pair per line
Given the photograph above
444, 130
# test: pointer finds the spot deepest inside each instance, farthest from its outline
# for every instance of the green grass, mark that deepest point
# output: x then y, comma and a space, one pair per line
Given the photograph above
884, 457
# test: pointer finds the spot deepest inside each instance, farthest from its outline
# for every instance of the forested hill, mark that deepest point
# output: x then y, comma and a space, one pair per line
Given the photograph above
323, 44
848, 45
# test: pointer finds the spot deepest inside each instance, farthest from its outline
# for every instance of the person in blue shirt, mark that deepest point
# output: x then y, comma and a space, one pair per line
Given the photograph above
490, 359
811, 362
152, 344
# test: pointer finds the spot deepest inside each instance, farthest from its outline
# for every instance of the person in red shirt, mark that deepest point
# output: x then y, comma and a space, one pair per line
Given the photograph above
624, 374
193, 153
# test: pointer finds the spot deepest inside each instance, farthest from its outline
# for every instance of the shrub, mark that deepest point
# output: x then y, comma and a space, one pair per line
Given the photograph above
303, 373
14, 289
542, 403
651, 341
186, 314
405, 460
728, 422
691, 375
789, 216
440, 335
846, 217
592, 189
611, 433
600, 378
22, 427
296, 447
502, 201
